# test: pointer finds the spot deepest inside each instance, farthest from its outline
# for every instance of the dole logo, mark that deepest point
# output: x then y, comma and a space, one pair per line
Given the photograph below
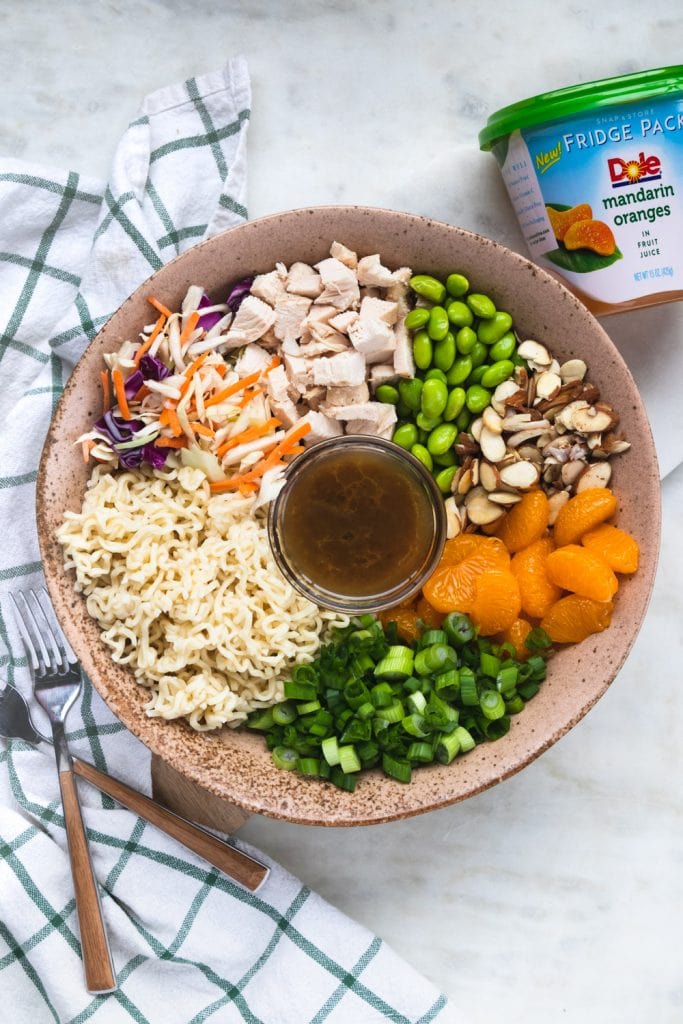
628, 172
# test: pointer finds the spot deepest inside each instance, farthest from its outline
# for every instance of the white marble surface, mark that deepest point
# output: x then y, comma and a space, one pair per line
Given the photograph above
556, 896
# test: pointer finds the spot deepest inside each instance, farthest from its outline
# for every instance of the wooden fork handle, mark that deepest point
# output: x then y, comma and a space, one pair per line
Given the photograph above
244, 869
97, 962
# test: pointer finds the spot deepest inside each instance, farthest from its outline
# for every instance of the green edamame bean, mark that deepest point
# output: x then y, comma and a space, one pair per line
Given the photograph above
459, 313
492, 330
434, 398
438, 325
463, 421
444, 479
477, 398
465, 340
427, 423
447, 458
442, 438
417, 318
455, 404
481, 305
422, 349
410, 391
403, 411
435, 374
387, 393
422, 435
457, 285
479, 354
504, 348
444, 352
421, 453
477, 373
497, 373
459, 371
405, 435
428, 287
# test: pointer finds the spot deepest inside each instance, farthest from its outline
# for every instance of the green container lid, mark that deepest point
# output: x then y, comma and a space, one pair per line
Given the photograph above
579, 99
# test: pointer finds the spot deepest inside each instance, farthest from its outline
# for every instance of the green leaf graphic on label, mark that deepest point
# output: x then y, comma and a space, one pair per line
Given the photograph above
581, 261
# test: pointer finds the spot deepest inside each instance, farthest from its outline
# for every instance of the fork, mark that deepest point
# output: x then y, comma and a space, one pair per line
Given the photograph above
57, 684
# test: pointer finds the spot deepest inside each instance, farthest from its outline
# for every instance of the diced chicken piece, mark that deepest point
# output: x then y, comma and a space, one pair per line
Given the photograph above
279, 398
253, 358
286, 411
376, 418
269, 341
340, 287
378, 309
328, 347
372, 273
374, 339
342, 321
326, 338
319, 314
399, 287
383, 428
343, 368
289, 346
290, 313
270, 287
314, 396
322, 427
344, 255
381, 373
298, 371
404, 363
303, 280
347, 395
252, 320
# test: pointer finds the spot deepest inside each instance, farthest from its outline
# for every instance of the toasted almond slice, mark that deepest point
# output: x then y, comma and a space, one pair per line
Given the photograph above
530, 454
453, 522
556, 501
564, 418
475, 472
521, 437
534, 352
505, 498
520, 474
505, 390
573, 369
492, 445
479, 509
488, 476
547, 385
476, 428
491, 420
571, 471
591, 420
598, 474
464, 484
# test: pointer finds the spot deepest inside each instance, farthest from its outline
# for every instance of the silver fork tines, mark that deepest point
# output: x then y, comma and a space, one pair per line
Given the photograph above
42, 660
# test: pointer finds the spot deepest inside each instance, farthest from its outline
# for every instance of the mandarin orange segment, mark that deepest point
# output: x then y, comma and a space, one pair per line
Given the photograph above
465, 545
406, 620
526, 521
617, 547
516, 634
575, 568
571, 619
528, 566
582, 513
496, 603
430, 616
451, 587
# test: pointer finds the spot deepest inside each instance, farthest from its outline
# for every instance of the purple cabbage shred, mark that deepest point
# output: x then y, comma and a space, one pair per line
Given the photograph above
238, 293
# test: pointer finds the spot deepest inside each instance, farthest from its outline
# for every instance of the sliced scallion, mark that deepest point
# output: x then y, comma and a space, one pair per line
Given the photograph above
349, 760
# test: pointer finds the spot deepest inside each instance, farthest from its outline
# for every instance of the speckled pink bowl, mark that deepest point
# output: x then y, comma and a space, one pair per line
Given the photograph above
236, 765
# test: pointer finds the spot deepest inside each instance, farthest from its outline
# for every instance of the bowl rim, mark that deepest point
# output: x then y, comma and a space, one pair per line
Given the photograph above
147, 729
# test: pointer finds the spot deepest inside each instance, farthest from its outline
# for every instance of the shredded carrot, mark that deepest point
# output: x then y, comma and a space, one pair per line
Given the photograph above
250, 434
158, 306
192, 321
275, 361
86, 447
169, 417
106, 390
141, 393
190, 372
287, 446
249, 395
148, 342
247, 489
199, 428
120, 392
220, 368
232, 389
171, 442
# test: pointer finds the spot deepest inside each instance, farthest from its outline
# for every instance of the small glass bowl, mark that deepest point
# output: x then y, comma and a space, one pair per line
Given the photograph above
357, 603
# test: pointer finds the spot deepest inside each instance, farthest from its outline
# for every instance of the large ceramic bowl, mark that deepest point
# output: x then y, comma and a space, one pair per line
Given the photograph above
236, 765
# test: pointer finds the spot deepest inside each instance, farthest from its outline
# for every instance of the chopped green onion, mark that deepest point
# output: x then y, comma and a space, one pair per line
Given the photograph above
366, 710
469, 693
348, 759
414, 725
308, 766
308, 707
295, 690
528, 690
495, 730
342, 780
436, 658
416, 701
356, 693
465, 740
366, 620
261, 719
433, 636
396, 664
489, 665
394, 713
537, 640
397, 767
382, 695
447, 748
284, 714
420, 752
506, 680
492, 704
285, 758
458, 628
514, 706
330, 749
447, 684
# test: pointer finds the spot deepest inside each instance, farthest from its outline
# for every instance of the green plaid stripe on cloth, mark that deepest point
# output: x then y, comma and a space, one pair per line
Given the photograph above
189, 944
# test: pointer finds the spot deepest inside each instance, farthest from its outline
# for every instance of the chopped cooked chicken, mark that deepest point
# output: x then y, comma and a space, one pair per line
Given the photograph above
404, 363
372, 273
270, 287
367, 417
322, 427
340, 286
280, 401
252, 320
378, 309
298, 372
344, 255
382, 373
303, 280
342, 321
373, 338
290, 313
347, 395
253, 358
398, 289
325, 335
383, 428
319, 314
343, 368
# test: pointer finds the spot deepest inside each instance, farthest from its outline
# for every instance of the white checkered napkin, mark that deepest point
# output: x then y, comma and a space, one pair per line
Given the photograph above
189, 945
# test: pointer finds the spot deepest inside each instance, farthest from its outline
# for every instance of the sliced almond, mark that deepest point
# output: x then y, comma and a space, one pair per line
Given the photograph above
547, 384
453, 521
491, 420
464, 483
475, 472
555, 502
598, 474
520, 474
591, 420
531, 433
573, 369
492, 445
534, 352
504, 391
476, 428
479, 509
571, 471
530, 454
504, 498
564, 418
516, 421
489, 476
